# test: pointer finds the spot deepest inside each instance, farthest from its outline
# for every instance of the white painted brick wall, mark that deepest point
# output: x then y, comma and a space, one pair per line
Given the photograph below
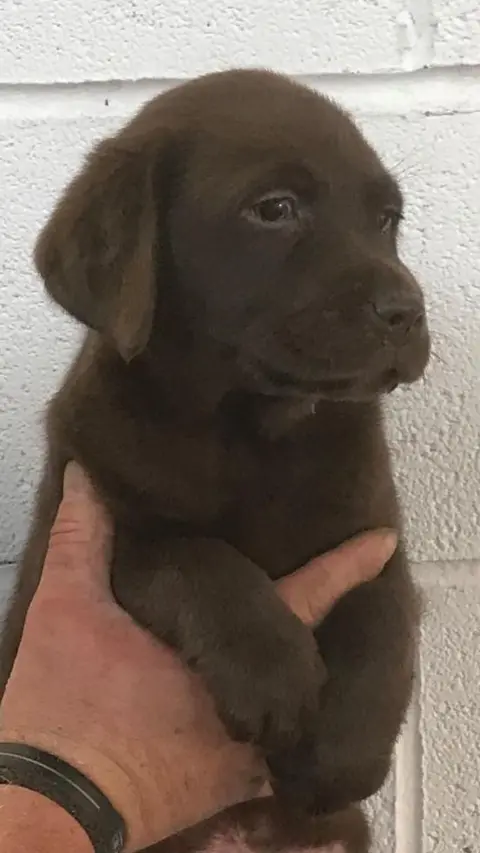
410, 71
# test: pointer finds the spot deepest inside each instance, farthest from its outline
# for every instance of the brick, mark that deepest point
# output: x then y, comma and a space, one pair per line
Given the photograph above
381, 813
457, 32
451, 717
434, 425
100, 40
36, 159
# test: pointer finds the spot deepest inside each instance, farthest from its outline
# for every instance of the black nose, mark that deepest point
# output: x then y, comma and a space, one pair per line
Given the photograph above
401, 316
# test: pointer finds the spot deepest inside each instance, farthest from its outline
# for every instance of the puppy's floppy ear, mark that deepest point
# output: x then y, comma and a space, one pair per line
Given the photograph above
98, 252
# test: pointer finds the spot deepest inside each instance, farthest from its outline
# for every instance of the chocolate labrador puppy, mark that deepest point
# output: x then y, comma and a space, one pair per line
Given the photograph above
233, 251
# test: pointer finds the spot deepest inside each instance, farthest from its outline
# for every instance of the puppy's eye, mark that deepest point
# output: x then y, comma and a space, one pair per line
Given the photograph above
275, 210
389, 220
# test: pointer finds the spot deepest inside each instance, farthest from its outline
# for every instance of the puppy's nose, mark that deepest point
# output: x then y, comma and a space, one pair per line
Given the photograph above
400, 316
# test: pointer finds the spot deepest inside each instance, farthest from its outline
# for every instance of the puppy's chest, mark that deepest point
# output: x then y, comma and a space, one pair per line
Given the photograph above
292, 500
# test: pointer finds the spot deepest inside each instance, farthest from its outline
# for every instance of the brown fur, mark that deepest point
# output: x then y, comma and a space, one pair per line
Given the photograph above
226, 405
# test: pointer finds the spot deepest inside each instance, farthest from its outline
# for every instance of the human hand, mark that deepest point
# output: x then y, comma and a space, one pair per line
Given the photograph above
94, 688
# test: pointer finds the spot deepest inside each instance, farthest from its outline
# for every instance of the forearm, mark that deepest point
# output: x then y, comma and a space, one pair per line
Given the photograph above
29, 821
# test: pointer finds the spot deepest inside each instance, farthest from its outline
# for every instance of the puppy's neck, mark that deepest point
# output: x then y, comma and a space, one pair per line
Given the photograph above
268, 418
195, 393
189, 379
201, 384
277, 417
197, 382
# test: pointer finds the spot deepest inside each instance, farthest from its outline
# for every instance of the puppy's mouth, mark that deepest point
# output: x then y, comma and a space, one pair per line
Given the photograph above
288, 383
281, 383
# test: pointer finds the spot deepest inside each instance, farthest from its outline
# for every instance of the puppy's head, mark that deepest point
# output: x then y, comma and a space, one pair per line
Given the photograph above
262, 206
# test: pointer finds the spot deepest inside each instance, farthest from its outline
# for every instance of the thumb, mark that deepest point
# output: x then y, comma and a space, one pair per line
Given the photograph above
80, 540
312, 591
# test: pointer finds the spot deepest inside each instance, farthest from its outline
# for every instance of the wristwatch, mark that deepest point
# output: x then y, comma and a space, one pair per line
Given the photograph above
36, 770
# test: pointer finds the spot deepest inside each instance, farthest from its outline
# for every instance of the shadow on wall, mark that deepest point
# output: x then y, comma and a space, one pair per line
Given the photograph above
7, 573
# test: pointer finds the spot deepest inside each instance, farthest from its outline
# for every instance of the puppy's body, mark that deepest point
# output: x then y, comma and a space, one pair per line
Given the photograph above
219, 468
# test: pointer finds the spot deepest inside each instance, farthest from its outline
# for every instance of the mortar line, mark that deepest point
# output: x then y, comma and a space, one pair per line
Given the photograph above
431, 91
420, 26
409, 799
447, 573
453, 72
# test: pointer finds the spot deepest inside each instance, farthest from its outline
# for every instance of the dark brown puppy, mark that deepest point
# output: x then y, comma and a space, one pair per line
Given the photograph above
234, 250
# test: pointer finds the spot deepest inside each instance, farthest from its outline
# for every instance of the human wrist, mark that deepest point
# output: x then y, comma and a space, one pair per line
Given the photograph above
113, 780
30, 821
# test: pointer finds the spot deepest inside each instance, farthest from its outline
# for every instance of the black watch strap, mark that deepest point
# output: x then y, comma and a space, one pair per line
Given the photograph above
46, 774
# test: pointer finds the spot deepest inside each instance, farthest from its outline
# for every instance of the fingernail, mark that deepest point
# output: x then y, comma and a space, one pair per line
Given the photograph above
75, 480
389, 541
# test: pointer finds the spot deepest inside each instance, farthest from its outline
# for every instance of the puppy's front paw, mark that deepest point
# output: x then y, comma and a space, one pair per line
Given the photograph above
266, 685
323, 779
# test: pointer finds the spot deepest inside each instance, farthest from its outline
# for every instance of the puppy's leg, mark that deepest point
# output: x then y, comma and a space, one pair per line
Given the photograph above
363, 702
261, 826
258, 661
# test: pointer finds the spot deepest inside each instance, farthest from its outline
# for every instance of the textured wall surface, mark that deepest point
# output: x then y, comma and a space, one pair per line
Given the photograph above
410, 72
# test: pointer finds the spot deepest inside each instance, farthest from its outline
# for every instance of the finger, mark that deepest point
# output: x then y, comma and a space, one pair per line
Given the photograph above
80, 539
313, 590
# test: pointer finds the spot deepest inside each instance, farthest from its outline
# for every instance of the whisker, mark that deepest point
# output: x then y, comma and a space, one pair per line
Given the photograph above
439, 358
399, 172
